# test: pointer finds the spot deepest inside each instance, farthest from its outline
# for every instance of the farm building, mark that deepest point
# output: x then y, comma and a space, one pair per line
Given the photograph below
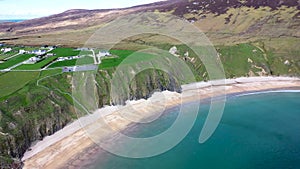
38, 52
103, 53
174, 51
50, 54
5, 50
32, 60
83, 49
21, 51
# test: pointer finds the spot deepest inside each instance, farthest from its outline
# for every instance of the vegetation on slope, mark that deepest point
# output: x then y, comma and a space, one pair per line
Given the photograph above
47, 107
252, 38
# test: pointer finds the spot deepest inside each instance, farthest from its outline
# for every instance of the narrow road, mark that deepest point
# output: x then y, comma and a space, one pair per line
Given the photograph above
65, 93
11, 57
19, 64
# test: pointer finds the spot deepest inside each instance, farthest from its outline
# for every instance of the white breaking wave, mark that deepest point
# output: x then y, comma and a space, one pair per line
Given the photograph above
265, 92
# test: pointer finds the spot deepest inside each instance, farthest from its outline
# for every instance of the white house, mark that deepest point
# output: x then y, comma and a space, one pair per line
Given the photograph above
50, 54
100, 55
186, 54
60, 59
103, 53
21, 51
173, 50
32, 60
83, 49
50, 48
38, 52
6, 50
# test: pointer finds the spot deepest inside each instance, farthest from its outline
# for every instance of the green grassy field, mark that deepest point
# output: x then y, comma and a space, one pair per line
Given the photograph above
15, 50
235, 59
64, 52
106, 63
49, 72
13, 81
113, 62
60, 52
267, 39
38, 65
81, 61
35, 102
63, 63
6, 55
15, 60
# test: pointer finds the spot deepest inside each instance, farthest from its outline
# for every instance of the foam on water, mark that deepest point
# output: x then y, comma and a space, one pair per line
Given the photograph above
258, 130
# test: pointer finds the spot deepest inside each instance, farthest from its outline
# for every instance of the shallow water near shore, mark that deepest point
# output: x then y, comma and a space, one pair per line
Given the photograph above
256, 131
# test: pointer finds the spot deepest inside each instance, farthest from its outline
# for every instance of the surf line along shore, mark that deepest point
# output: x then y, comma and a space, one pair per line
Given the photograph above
57, 150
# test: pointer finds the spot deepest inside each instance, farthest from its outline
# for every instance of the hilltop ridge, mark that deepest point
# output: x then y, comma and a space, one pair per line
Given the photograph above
246, 18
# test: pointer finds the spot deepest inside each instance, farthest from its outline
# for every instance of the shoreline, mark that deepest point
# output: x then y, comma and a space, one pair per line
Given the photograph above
63, 147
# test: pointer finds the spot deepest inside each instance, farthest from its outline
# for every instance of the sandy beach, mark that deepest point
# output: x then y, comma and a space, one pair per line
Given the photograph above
58, 150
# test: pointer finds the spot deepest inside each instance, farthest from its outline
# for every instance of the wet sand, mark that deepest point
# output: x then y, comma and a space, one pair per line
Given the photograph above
71, 147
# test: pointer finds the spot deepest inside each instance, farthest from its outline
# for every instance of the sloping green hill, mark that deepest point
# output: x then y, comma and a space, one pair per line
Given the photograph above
252, 37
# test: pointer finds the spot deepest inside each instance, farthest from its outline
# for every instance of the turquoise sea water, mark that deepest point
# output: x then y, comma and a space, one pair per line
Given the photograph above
259, 131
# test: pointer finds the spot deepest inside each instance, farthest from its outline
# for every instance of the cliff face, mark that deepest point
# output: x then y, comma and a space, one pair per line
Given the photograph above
27, 117
141, 87
36, 111
269, 29
32, 115
40, 109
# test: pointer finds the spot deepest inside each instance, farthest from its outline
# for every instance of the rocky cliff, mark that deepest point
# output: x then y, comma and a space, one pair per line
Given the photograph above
269, 31
31, 115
